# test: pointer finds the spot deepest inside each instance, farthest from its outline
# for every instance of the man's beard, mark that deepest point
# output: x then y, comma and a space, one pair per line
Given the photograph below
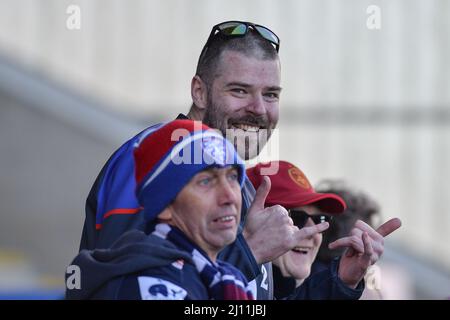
247, 143
213, 118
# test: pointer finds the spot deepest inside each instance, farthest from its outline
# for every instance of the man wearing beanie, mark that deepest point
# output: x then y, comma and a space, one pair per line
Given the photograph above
236, 89
189, 181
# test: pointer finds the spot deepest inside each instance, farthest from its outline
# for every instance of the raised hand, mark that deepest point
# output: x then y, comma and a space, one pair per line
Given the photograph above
270, 232
364, 247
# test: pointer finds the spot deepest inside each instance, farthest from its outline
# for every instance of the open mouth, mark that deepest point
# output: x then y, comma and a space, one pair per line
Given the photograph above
225, 222
301, 250
247, 127
224, 219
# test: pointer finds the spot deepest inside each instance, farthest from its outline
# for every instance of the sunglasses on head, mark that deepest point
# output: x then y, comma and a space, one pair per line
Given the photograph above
239, 29
300, 217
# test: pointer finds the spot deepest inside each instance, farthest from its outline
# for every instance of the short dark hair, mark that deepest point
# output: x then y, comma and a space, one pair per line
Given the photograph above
360, 206
252, 45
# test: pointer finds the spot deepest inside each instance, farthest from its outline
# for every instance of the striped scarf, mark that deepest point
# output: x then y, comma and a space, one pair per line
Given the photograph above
222, 280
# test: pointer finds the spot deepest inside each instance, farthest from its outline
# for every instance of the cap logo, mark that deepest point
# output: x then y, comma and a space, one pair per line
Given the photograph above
299, 178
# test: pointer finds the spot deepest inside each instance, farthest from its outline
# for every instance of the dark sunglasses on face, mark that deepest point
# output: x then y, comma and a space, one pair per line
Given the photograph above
239, 29
300, 217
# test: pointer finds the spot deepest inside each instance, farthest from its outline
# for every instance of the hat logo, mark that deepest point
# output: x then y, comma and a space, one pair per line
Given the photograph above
215, 148
299, 178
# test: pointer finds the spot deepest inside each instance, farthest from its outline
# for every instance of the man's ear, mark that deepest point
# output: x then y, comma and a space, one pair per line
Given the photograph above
199, 93
165, 215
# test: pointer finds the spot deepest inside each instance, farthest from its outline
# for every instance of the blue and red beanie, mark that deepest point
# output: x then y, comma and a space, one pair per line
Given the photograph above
167, 159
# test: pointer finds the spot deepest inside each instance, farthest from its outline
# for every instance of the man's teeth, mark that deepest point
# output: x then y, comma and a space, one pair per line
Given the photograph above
246, 127
225, 219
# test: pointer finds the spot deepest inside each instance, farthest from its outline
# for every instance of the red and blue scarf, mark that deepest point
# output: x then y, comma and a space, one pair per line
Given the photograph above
222, 280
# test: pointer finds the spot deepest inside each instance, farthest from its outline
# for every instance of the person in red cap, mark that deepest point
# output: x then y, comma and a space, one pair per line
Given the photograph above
236, 89
291, 189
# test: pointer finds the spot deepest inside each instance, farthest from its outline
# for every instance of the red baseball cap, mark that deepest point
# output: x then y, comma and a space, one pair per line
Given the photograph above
291, 189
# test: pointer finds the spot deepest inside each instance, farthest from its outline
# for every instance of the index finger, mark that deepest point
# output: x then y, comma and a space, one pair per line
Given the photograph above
390, 226
307, 232
364, 227
354, 243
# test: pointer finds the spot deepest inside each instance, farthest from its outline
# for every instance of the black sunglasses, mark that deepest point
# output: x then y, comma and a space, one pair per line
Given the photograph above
240, 29
299, 217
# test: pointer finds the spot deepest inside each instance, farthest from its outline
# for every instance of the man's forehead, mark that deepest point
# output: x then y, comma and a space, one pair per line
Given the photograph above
215, 169
236, 66
230, 57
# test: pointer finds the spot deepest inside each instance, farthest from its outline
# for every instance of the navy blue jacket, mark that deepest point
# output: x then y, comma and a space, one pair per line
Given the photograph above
320, 285
138, 266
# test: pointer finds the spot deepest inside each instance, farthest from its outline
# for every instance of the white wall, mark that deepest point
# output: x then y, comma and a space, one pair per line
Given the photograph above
139, 56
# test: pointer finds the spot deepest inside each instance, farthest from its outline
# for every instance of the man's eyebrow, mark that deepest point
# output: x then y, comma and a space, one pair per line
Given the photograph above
246, 85
274, 88
238, 84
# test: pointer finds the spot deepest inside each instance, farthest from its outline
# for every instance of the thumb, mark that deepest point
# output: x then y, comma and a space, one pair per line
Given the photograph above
350, 252
261, 195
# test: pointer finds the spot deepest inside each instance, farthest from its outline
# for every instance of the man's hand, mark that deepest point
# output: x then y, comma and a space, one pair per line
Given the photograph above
270, 232
364, 247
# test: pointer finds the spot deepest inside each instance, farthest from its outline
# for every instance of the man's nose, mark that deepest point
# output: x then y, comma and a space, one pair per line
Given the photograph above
257, 105
227, 193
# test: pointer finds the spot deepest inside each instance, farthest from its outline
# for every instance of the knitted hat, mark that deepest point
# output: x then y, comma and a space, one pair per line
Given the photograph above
290, 188
167, 159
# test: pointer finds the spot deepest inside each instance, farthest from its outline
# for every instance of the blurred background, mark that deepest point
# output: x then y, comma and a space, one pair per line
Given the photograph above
368, 105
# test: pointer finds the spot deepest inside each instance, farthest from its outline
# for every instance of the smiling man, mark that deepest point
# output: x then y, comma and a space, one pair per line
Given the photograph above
236, 89
242, 101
